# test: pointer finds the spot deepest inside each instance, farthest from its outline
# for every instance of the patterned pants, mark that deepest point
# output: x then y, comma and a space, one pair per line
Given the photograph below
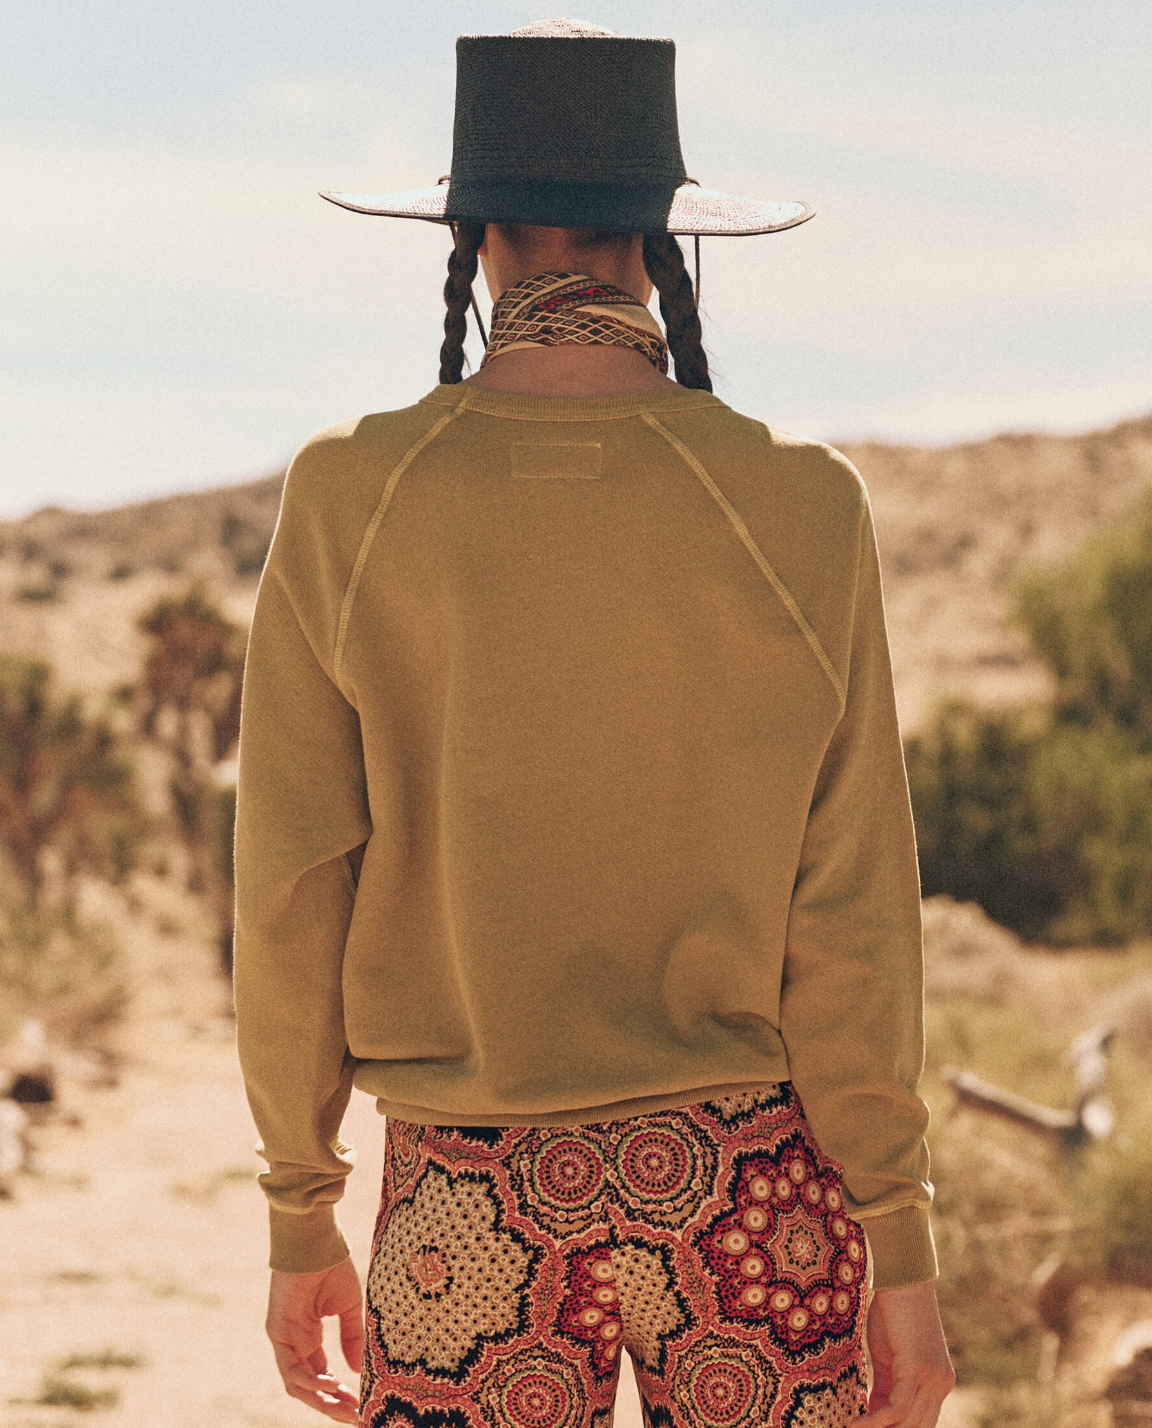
510, 1267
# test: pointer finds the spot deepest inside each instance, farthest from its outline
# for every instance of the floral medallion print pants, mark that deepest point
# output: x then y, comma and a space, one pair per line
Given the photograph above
511, 1267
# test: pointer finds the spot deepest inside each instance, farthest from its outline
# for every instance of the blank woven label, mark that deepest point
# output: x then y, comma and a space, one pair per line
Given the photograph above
538, 458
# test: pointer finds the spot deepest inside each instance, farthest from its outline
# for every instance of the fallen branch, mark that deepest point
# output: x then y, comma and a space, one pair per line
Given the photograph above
1091, 1120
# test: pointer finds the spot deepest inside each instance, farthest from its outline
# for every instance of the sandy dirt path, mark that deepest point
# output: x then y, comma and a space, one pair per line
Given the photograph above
143, 1233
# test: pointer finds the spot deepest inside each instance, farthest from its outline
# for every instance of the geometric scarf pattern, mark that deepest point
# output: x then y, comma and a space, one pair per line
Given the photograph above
556, 307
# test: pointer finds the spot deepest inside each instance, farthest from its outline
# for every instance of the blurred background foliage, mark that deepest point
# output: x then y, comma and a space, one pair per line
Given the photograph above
74, 804
1034, 827
1043, 814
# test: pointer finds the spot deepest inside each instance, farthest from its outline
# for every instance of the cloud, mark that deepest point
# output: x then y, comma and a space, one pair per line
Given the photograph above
251, 225
972, 410
186, 311
171, 321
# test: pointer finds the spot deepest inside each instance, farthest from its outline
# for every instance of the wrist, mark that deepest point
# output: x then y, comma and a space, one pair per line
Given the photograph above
299, 1274
924, 1290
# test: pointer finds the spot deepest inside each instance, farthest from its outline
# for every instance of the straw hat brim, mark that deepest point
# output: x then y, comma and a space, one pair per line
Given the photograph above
695, 210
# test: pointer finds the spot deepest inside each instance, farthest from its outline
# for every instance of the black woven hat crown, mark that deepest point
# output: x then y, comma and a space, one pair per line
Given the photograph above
570, 125
567, 125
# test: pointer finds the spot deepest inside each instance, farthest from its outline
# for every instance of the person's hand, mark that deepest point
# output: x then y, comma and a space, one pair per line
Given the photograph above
297, 1303
912, 1373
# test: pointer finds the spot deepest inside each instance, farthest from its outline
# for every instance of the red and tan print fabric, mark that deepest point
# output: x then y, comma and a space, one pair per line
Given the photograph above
551, 308
511, 1268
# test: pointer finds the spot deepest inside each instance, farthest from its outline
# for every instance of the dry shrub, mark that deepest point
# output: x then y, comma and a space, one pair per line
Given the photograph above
65, 970
1010, 1203
1001, 1207
1113, 1202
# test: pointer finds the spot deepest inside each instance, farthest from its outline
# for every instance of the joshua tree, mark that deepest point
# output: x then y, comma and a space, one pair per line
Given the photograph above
65, 781
191, 682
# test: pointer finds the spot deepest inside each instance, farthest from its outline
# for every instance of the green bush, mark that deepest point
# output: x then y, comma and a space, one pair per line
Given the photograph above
1090, 619
1048, 826
976, 825
1043, 815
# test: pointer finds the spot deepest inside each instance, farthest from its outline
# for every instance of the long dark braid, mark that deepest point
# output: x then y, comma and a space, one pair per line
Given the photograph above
462, 266
664, 262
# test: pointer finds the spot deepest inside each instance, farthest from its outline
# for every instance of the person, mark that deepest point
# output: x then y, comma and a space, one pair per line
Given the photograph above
573, 825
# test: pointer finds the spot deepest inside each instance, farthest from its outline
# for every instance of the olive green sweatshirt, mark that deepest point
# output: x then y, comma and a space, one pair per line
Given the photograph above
571, 788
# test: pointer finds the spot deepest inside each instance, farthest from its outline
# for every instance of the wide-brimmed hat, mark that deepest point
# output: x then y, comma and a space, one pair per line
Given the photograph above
569, 125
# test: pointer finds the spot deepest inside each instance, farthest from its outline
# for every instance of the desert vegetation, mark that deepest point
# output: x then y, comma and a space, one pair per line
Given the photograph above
1020, 616
68, 808
190, 707
1042, 812
143, 784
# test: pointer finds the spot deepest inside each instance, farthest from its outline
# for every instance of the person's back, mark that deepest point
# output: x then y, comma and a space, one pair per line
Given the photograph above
591, 763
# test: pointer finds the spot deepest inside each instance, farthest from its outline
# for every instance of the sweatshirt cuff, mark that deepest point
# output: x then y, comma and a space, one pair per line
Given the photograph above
304, 1244
902, 1248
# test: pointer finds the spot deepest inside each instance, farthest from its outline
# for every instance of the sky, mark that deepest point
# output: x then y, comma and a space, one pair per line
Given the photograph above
180, 310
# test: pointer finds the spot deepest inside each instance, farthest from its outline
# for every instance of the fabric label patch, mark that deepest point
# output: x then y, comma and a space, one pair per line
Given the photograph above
538, 458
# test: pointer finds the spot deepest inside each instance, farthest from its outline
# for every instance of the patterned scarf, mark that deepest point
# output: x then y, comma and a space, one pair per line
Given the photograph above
570, 307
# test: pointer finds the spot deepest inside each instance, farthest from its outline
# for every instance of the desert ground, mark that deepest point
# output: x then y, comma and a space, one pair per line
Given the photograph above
137, 1235
133, 1242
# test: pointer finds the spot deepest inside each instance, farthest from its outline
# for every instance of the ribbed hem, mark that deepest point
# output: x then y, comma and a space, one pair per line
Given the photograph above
580, 1116
304, 1244
526, 407
902, 1248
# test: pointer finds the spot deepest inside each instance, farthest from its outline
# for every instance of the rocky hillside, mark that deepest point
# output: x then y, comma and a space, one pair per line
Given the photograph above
953, 523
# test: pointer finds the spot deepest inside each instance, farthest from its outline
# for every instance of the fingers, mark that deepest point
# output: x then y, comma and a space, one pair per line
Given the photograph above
309, 1381
301, 1373
910, 1406
298, 1303
885, 1415
335, 1402
352, 1338
912, 1373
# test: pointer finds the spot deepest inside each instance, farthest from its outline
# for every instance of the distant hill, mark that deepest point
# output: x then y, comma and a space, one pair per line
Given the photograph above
953, 522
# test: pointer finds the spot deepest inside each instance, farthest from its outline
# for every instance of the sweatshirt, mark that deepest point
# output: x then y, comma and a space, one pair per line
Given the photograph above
570, 788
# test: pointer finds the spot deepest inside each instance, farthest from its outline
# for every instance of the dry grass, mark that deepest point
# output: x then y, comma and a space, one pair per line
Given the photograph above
63, 969
1009, 1203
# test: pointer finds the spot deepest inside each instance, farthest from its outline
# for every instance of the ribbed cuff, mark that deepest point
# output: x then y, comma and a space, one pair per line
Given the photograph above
903, 1251
303, 1244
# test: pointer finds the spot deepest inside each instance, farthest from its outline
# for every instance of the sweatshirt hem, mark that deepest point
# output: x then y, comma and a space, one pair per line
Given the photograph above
579, 1116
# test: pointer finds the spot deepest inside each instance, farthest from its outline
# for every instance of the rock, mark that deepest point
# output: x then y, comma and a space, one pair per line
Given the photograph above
1130, 1392
966, 954
34, 1088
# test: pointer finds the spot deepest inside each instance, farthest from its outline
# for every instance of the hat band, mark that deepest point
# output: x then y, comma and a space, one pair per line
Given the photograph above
562, 203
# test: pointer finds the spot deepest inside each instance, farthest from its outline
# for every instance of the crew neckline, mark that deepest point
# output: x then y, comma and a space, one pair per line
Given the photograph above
530, 407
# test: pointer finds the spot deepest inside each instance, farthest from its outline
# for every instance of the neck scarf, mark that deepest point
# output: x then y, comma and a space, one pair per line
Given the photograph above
551, 308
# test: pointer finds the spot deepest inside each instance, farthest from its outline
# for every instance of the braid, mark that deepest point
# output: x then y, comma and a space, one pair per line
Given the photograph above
664, 262
462, 266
